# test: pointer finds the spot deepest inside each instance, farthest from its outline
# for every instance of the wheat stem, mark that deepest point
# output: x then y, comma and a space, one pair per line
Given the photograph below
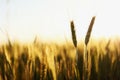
86, 55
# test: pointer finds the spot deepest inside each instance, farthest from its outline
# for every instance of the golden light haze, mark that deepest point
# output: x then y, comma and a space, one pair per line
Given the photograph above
50, 19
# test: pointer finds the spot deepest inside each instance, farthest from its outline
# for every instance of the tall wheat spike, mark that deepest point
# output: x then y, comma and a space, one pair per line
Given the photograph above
86, 55
74, 38
75, 45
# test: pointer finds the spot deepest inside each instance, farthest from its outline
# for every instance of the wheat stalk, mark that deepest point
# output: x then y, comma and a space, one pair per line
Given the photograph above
74, 37
86, 55
75, 45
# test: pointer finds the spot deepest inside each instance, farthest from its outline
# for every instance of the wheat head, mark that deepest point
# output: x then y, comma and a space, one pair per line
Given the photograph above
73, 33
89, 30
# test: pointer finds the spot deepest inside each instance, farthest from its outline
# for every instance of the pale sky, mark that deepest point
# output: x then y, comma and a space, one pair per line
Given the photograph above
50, 19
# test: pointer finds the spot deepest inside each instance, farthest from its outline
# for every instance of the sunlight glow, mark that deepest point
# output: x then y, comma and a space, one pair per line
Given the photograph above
50, 19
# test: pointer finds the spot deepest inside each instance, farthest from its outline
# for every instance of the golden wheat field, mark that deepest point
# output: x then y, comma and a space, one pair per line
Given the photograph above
59, 40
89, 59
52, 61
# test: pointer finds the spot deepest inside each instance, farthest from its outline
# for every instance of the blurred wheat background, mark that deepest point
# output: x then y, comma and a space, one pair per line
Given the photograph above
51, 61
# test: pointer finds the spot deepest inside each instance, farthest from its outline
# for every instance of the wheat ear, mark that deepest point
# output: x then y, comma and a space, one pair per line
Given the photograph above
89, 30
73, 33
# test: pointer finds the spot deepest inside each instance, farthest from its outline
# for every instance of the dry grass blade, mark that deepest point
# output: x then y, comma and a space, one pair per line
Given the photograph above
73, 33
89, 30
